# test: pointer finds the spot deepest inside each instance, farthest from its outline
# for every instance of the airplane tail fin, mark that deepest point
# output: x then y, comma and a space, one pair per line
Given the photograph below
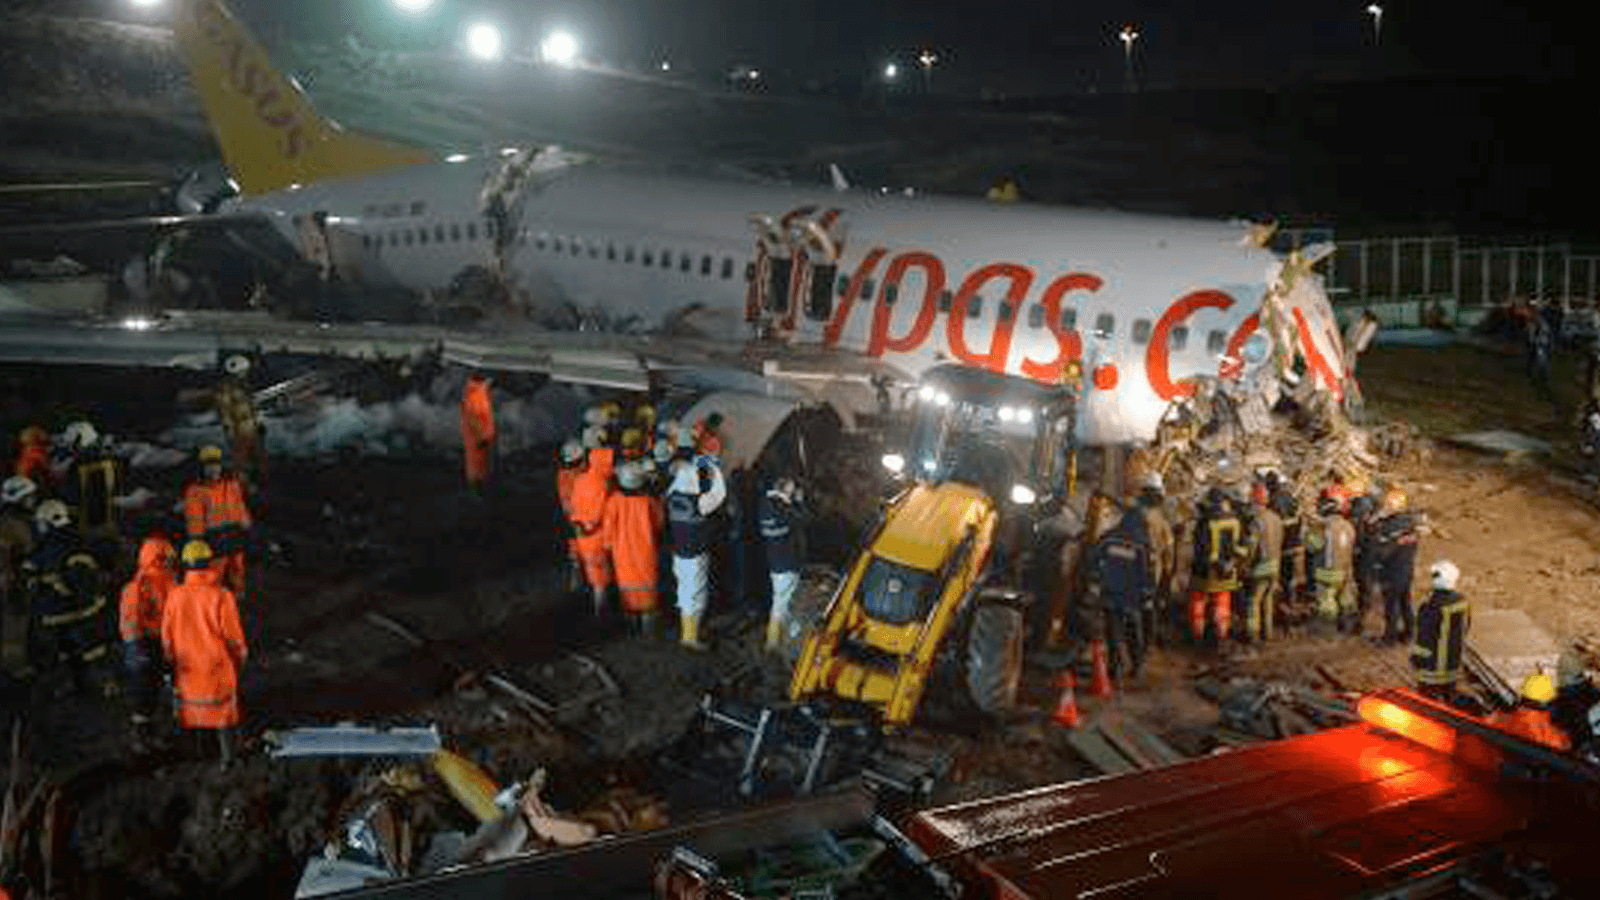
271, 135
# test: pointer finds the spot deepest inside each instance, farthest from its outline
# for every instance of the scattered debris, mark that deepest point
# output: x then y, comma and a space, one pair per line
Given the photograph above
1510, 444
350, 740
1504, 647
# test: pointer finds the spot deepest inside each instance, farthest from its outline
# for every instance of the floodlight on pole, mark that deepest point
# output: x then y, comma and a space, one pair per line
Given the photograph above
1376, 12
1128, 35
484, 42
890, 71
413, 6
926, 59
559, 48
145, 4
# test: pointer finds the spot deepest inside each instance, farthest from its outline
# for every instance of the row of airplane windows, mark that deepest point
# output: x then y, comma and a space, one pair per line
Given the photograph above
1104, 325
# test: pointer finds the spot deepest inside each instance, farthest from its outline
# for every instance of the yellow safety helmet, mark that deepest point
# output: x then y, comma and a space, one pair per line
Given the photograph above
210, 454
632, 439
196, 555
645, 415
33, 434
1394, 500
611, 411
1538, 688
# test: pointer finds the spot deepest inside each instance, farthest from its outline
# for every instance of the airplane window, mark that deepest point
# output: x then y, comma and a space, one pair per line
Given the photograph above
1178, 337
472, 231
422, 235
947, 300
438, 232
1141, 331
867, 288
685, 262
555, 244
538, 242
594, 251
611, 252
666, 259
1069, 319
891, 294
844, 284
417, 206
647, 258
705, 266
975, 308
455, 231
627, 255
576, 246
1005, 311
749, 271
394, 238
1036, 316
727, 267
1216, 342
1104, 325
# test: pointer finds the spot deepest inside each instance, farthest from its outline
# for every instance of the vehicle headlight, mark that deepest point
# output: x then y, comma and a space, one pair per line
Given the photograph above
929, 465
1007, 414
1023, 495
1025, 416
942, 398
894, 462
138, 323
926, 393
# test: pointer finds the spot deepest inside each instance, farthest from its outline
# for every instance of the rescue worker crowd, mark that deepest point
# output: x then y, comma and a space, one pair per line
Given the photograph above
1241, 571
647, 506
63, 552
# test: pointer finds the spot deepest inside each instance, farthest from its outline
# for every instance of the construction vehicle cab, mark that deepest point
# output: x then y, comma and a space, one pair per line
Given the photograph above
982, 458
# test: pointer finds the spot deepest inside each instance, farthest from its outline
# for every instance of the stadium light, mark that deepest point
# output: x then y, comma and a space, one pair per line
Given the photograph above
413, 6
483, 41
560, 48
891, 71
145, 4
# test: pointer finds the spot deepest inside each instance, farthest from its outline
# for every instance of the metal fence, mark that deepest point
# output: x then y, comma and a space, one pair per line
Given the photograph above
1399, 278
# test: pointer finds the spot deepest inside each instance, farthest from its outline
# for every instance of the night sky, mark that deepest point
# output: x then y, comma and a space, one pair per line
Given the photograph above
1015, 45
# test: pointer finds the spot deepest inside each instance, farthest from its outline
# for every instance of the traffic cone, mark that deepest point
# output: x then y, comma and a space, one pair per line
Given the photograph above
1066, 714
1101, 685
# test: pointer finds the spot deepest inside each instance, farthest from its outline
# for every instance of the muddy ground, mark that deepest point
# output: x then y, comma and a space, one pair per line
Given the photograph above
477, 582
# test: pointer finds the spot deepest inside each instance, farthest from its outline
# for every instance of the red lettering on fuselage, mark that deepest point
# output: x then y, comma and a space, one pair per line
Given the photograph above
868, 265
1156, 358
1069, 345
933, 274
1004, 322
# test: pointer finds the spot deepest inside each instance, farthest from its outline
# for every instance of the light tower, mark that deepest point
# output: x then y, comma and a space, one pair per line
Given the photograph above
1128, 35
1376, 12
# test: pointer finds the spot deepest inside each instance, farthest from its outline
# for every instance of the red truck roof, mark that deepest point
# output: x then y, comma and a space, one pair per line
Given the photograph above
1334, 814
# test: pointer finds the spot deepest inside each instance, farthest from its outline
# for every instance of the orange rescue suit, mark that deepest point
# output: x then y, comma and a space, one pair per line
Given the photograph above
215, 512
477, 429
632, 527
590, 492
144, 597
566, 478
33, 463
201, 635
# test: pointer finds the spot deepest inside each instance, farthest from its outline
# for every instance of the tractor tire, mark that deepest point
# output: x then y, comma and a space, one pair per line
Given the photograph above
994, 657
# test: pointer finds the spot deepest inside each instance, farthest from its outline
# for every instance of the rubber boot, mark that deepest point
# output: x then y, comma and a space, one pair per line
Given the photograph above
225, 745
689, 632
774, 635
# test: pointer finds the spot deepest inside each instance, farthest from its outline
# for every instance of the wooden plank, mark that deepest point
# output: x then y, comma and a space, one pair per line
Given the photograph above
1094, 748
1512, 645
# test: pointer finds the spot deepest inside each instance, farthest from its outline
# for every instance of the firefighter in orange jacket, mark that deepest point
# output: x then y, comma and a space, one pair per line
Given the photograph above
632, 524
590, 493
202, 638
33, 455
215, 511
477, 431
143, 599
570, 466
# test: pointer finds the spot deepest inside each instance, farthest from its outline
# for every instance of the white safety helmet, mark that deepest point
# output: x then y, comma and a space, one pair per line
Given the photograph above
685, 478
594, 415
80, 435
17, 489
686, 438
236, 364
1152, 481
594, 436
1445, 575
572, 452
663, 451
52, 514
630, 476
